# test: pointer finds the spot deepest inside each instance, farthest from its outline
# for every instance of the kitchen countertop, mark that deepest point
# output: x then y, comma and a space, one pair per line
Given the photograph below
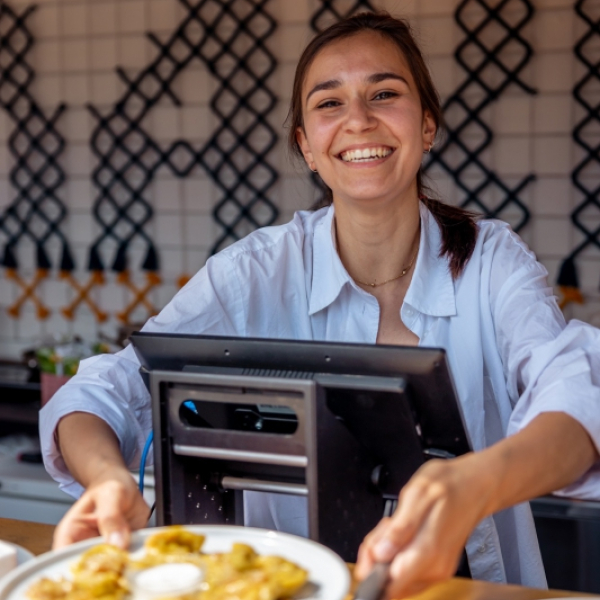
37, 538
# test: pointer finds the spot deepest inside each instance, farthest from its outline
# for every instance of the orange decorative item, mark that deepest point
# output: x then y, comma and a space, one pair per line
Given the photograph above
183, 279
139, 294
42, 311
570, 294
83, 291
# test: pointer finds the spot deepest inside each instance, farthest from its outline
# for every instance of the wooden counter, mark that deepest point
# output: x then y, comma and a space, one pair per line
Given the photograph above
38, 538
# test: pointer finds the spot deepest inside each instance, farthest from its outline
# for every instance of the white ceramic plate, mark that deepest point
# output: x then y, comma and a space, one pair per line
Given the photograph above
329, 578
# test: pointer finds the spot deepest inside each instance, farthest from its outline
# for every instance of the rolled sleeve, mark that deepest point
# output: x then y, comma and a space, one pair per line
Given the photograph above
111, 388
563, 376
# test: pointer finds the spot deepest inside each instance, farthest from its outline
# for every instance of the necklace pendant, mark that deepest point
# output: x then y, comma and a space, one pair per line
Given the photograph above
373, 284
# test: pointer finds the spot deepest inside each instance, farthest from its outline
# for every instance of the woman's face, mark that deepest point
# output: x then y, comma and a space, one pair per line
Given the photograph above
364, 127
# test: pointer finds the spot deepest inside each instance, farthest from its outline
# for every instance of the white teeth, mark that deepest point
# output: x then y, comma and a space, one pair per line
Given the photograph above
366, 154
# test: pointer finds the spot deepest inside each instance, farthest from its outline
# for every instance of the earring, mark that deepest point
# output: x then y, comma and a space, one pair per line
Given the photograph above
429, 149
313, 170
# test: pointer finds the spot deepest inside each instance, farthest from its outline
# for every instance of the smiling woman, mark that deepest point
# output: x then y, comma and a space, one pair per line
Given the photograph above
382, 264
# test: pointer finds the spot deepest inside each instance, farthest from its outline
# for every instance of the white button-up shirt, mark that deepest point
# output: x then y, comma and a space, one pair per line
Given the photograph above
511, 353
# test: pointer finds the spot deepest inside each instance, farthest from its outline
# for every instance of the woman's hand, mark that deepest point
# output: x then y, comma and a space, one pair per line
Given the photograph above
424, 539
111, 507
443, 502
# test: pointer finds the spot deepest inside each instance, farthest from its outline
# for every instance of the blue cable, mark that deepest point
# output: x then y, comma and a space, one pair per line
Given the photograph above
143, 461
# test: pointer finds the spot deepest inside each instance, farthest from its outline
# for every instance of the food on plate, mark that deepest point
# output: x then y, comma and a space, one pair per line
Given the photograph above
172, 566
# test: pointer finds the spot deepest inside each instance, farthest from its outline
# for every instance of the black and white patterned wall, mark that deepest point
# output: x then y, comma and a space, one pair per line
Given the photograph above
153, 132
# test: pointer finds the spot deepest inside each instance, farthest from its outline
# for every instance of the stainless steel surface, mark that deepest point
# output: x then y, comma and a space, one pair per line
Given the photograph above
267, 458
260, 485
373, 586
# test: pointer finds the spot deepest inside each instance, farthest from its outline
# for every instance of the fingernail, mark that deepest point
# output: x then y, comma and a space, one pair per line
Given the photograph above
116, 539
385, 550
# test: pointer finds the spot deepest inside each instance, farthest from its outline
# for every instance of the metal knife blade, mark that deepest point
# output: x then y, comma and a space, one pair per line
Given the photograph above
373, 586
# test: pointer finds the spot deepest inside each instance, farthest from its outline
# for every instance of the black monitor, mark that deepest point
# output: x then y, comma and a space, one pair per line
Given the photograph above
344, 424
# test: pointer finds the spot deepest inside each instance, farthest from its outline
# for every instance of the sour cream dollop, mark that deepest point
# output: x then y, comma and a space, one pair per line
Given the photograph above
172, 579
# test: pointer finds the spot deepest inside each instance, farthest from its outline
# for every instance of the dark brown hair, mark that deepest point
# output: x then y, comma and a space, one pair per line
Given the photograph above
459, 232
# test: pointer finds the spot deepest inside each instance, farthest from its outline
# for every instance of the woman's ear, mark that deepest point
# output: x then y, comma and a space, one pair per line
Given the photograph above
429, 130
303, 143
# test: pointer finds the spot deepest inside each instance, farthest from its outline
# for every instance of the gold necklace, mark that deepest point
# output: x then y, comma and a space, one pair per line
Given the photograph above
404, 272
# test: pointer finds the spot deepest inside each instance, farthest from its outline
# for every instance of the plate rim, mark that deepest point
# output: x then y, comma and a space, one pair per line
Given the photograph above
15, 577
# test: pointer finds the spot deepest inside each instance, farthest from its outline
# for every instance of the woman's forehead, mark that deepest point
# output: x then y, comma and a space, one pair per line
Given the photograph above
356, 57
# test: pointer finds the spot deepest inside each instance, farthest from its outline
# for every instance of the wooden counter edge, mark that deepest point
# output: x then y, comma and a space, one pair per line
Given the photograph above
37, 538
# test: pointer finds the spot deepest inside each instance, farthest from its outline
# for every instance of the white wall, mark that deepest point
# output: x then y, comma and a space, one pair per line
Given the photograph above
79, 43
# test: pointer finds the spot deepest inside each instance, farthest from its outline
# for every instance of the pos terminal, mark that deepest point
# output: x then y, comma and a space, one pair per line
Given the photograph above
345, 425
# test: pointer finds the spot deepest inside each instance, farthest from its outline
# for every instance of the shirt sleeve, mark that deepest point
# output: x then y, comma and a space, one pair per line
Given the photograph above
111, 387
549, 365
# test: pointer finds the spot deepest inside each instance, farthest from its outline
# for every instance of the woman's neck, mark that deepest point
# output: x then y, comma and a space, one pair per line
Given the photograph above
377, 243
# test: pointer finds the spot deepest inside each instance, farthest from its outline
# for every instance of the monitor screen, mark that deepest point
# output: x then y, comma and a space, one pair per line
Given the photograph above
425, 370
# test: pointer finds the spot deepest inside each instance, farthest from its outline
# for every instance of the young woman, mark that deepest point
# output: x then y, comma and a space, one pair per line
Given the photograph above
382, 264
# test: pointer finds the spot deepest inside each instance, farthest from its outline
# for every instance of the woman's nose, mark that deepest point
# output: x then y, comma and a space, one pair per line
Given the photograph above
359, 116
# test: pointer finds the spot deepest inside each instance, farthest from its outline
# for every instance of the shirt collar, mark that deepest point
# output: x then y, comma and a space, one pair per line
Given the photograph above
431, 289
329, 274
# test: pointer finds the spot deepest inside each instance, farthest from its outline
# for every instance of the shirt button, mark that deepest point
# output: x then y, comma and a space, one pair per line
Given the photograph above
482, 549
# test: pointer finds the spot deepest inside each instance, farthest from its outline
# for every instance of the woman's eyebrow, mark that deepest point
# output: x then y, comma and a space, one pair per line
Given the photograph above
324, 85
331, 84
378, 77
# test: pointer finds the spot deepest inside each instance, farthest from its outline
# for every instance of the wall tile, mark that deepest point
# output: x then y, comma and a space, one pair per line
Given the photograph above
199, 195
75, 55
47, 90
200, 231
512, 115
166, 123
195, 122
166, 194
103, 17
588, 271
74, 19
133, 52
512, 155
131, 16
553, 71
103, 53
552, 196
80, 227
54, 293
553, 114
552, 155
45, 21
46, 56
77, 124
438, 35
404, 9
168, 229
80, 193
162, 15
104, 88
78, 159
196, 86
553, 29
551, 236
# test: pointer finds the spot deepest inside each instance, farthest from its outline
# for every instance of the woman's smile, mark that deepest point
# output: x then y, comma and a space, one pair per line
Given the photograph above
366, 155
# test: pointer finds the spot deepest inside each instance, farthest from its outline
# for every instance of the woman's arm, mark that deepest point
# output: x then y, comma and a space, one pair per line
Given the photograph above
443, 502
112, 505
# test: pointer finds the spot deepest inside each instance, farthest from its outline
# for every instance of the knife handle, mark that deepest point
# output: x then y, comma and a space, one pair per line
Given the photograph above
373, 586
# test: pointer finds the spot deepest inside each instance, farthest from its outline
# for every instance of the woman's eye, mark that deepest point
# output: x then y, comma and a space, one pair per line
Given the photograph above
328, 104
385, 95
